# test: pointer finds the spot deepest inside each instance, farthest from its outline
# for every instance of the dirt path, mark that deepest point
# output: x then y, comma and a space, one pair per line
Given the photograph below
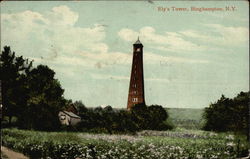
9, 154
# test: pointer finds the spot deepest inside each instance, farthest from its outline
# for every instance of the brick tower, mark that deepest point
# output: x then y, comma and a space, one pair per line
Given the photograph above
136, 86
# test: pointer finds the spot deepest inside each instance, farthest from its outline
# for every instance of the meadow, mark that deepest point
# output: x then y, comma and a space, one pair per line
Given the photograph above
178, 143
187, 118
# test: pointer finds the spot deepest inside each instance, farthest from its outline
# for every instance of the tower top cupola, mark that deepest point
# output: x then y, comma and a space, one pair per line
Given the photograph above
138, 42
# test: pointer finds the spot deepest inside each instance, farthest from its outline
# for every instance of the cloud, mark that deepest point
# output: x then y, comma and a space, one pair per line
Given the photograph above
52, 38
154, 58
118, 58
215, 36
107, 59
168, 41
126, 78
52, 32
220, 35
127, 34
109, 76
62, 15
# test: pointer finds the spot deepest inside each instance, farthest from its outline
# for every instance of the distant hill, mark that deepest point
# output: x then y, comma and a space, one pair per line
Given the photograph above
188, 118
185, 113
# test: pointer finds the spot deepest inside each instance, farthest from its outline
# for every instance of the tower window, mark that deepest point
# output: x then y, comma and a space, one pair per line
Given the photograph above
134, 99
135, 92
134, 85
138, 49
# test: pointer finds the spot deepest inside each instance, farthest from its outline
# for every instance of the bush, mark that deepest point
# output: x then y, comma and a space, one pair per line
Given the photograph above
108, 120
228, 114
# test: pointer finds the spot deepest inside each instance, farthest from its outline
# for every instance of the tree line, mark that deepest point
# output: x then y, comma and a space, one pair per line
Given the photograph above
34, 98
109, 120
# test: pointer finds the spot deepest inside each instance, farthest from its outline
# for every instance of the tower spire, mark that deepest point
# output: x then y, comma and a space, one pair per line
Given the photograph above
138, 41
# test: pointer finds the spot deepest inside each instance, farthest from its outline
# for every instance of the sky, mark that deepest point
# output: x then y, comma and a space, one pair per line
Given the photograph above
190, 57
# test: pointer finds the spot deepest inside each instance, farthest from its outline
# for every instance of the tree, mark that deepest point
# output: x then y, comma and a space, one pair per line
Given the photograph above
157, 117
228, 114
218, 115
123, 122
240, 115
45, 100
80, 107
13, 71
108, 118
150, 117
140, 115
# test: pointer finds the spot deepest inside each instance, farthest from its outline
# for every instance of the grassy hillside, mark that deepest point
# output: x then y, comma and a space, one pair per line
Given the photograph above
185, 113
188, 118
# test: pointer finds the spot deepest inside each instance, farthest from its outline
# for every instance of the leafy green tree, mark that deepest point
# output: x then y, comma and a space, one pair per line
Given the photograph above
157, 117
218, 115
123, 122
140, 115
108, 118
13, 72
152, 117
45, 100
80, 107
228, 114
240, 116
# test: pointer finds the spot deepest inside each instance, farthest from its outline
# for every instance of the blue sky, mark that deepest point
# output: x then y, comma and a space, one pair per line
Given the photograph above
191, 58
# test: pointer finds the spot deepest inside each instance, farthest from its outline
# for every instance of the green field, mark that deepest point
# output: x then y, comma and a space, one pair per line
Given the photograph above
187, 118
179, 143
185, 141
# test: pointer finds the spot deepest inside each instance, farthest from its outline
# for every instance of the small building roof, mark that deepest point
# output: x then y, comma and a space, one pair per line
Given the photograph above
71, 114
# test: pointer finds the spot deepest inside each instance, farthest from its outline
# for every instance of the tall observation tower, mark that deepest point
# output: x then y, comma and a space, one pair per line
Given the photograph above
136, 86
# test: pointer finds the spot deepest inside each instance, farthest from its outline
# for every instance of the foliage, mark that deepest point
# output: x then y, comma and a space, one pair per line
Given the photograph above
150, 118
110, 120
105, 120
44, 102
80, 106
228, 114
13, 71
146, 144
32, 95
